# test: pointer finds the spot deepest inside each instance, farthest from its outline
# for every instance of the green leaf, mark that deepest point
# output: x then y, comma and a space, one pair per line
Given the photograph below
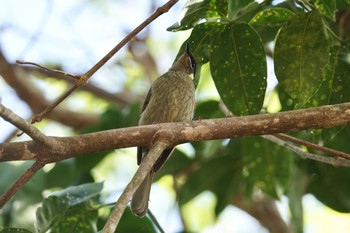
220, 174
78, 218
301, 57
30, 193
272, 17
78, 194
208, 110
177, 162
266, 166
69, 207
325, 7
330, 185
341, 72
198, 11
13, 230
129, 223
238, 67
239, 8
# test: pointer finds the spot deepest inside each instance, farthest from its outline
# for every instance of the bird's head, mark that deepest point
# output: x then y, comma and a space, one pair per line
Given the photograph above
186, 62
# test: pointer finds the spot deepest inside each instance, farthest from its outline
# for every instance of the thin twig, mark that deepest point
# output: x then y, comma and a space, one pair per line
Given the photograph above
82, 79
337, 162
54, 71
313, 145
20, 182
146, 165
23, 125
38, 117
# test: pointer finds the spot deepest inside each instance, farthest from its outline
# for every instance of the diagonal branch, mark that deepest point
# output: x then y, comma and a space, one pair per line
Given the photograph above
20, 182
146, 165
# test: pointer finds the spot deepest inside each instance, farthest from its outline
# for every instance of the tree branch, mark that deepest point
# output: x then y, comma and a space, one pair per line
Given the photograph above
292, 121
313, 145
23, 125
20, 182
337, 162
157, 148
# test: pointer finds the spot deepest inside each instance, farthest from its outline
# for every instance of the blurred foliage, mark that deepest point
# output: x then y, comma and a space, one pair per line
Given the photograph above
311, 58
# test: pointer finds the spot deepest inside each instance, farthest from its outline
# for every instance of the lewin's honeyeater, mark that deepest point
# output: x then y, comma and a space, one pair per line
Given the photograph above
171, 98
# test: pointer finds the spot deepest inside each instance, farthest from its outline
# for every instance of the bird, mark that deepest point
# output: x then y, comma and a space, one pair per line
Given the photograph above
171, 98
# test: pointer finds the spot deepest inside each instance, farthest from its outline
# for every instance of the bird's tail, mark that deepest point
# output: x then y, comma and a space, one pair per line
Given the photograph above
139, 201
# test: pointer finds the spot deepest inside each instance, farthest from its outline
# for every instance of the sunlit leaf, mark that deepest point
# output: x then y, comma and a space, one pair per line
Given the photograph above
69, 207
238, 67
199, 11
272, 17
301, 56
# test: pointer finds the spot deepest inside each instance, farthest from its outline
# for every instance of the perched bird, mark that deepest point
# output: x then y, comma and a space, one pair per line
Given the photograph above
171, 98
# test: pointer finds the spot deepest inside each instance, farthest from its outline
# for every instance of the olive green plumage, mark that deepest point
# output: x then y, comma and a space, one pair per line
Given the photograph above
171, 98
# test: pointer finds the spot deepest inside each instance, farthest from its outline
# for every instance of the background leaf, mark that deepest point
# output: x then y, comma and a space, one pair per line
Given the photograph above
325, 7
301, 72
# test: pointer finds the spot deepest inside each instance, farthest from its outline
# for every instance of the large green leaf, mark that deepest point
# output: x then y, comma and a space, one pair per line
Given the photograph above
238, 67
197, 11
301, 56
71, 208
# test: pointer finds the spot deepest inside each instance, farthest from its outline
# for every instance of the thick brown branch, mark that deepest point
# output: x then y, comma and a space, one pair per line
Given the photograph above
233, 127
